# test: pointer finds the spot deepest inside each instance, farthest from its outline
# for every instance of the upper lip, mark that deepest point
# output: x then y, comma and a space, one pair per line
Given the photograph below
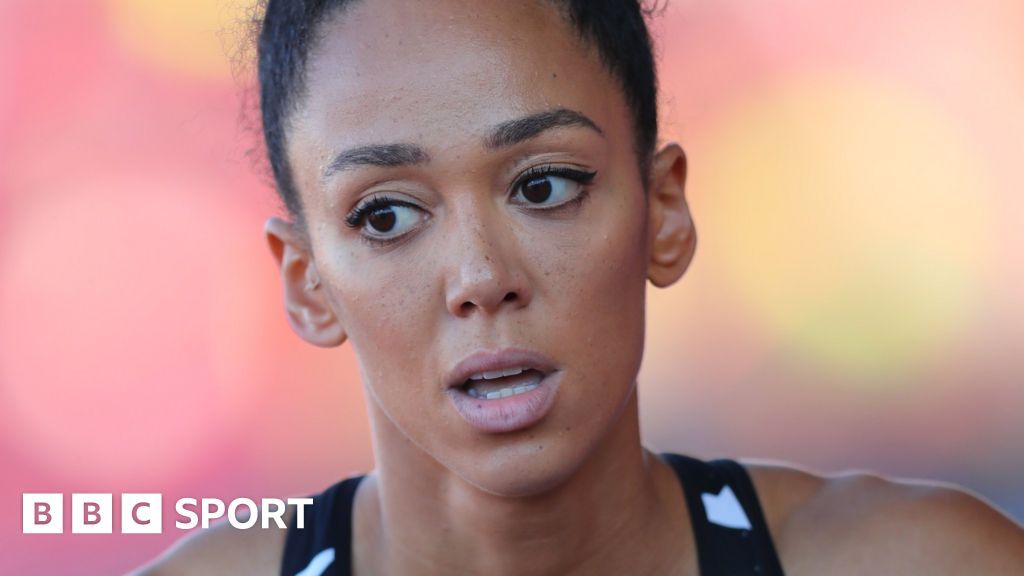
504, 359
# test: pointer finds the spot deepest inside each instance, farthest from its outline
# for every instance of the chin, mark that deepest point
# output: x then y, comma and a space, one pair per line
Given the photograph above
534, 466
542, 459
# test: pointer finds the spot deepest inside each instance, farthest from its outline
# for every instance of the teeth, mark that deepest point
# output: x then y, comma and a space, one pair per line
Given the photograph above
497, 374
503, 393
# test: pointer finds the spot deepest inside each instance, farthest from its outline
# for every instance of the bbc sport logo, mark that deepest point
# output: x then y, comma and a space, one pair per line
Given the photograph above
93, 513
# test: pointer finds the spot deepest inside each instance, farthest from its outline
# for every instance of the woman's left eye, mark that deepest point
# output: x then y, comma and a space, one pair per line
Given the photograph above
551, 188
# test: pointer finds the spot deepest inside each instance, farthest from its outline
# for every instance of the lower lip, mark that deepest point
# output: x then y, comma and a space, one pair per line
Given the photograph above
507, 414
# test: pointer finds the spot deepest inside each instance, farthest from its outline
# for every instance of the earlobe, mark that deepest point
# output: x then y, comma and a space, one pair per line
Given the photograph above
306, 303
672, 237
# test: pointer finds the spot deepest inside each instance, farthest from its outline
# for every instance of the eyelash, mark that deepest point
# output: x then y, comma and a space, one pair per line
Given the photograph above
357, 218
581, 177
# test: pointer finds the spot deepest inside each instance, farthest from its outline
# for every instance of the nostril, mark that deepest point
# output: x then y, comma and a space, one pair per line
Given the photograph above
467, 307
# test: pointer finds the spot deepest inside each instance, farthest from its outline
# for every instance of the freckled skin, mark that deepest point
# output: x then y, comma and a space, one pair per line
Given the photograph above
579, 277
414, 308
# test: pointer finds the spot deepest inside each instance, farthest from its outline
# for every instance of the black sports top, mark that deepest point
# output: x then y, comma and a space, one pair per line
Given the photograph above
729, 528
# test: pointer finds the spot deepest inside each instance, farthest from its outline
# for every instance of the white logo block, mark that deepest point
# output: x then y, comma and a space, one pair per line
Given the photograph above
92, 513
141, 514
725, 509
42, 513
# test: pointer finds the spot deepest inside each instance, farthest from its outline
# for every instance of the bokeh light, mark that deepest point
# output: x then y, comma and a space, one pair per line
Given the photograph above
196, 37
90, 274
850, 223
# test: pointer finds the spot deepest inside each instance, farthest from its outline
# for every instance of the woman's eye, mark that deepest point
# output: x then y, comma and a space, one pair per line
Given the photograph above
549, 190
392, 221
383, 219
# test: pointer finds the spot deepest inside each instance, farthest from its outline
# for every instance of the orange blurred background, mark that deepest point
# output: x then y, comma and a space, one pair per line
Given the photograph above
857, 299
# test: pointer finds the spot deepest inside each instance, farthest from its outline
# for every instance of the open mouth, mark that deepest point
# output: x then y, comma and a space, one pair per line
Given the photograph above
502, 383
504, 391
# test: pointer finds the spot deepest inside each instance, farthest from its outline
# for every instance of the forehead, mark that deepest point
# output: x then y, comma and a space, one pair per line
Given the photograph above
441, 73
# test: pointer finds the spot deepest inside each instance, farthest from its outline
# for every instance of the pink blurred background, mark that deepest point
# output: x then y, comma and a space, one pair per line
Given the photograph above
857, 300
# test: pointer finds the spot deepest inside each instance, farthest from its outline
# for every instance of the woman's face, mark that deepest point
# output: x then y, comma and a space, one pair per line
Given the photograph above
441, 227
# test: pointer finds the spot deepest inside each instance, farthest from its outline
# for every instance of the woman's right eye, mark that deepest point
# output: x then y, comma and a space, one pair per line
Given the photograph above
381, 219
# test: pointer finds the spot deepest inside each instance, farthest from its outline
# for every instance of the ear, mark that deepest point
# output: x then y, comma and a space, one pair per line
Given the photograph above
305, 301
671, 236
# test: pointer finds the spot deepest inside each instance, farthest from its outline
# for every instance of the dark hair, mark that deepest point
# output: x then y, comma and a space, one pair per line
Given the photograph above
616, 28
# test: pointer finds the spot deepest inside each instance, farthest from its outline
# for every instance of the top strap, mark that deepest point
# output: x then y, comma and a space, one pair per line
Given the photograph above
729, 528
323, 546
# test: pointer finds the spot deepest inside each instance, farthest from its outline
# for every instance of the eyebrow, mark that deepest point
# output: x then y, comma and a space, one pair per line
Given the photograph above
382, 155
501, 136
520, 129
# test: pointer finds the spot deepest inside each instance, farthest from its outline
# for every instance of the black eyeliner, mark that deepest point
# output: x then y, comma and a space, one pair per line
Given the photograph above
583, 177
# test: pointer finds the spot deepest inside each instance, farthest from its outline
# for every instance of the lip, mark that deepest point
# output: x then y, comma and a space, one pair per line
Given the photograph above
486, 361
511, 413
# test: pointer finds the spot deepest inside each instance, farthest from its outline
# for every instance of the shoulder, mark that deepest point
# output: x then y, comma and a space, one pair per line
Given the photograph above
223, 549
858, 522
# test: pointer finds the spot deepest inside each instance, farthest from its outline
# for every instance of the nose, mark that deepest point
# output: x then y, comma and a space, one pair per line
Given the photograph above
485, 275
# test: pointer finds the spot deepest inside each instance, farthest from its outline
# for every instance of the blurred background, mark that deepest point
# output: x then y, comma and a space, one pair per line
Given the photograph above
857, 298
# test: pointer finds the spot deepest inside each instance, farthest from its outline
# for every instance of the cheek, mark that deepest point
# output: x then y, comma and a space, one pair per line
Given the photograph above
388, 313
596, 288
605, 273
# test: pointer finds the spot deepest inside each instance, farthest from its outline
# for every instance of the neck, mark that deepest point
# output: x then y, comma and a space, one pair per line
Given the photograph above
620, 512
